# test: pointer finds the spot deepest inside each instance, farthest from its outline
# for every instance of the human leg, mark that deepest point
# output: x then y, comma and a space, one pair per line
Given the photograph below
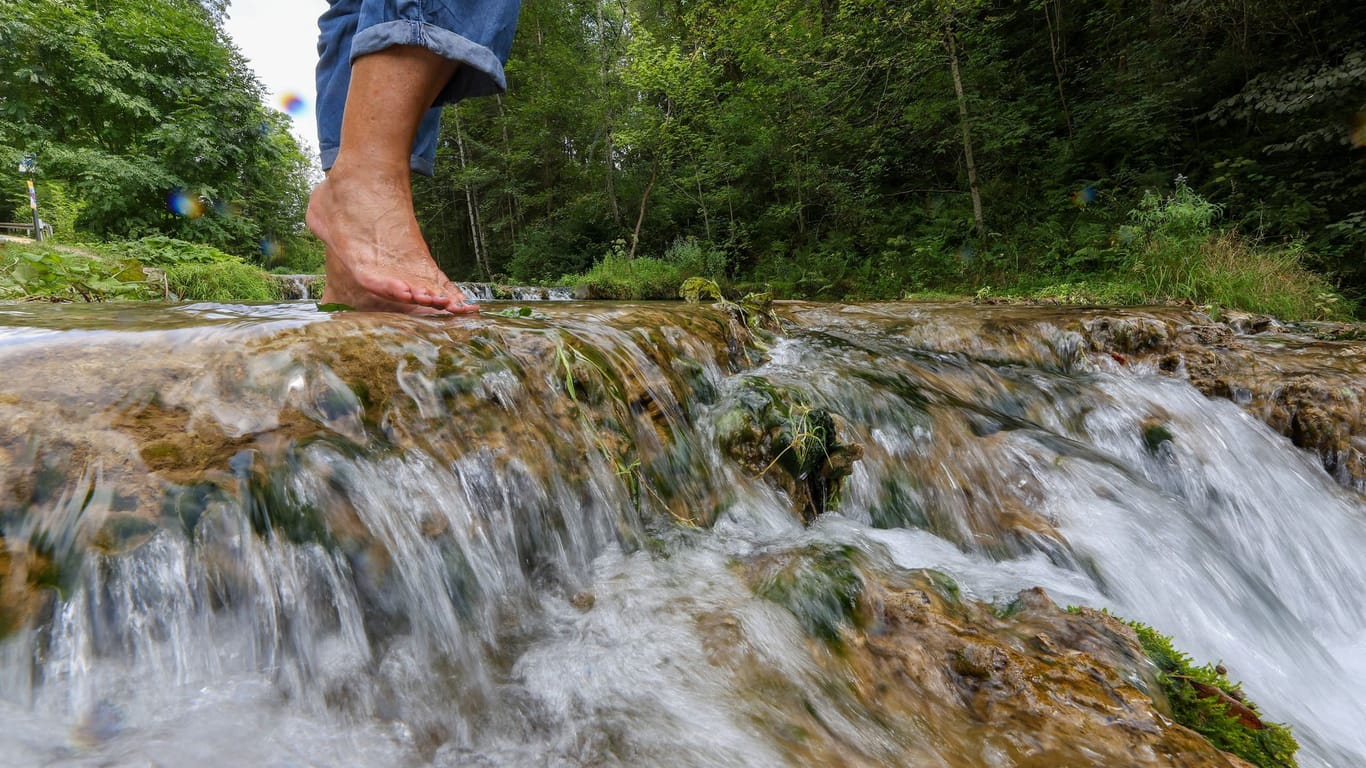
363, 211
377, 121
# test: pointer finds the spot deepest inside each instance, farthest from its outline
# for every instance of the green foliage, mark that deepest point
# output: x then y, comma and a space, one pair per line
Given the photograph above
64, 274
221, 281
57, 206
1269, 747
1177, 253
161, 251
819, 148
695, 289
618, 276
127, 103
696, 258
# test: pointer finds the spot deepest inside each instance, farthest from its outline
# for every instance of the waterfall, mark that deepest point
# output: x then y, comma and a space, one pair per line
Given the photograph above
297, 287
281, 536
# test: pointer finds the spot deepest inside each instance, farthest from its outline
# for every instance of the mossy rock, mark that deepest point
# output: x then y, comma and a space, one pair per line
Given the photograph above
1203, 699
773, 432
1155, 434
821, 586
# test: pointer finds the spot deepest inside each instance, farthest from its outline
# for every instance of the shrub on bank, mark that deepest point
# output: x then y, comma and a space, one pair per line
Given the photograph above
617, 276
1176, 253
53, 273
222, 281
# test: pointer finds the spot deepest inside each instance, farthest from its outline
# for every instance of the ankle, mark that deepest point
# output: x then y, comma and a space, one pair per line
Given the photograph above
370, 169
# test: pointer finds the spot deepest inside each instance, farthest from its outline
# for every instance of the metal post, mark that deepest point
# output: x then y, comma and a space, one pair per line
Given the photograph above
33, 203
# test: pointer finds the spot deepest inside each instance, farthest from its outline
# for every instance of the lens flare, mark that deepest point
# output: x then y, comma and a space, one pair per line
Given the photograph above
1358, 134
271, 249
292, 103
226, 209
1084, 197
185, 204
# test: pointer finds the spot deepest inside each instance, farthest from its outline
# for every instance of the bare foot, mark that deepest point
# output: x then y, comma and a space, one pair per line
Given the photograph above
376, 257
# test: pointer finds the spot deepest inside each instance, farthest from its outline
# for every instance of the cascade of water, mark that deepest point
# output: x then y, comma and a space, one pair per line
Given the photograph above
298, 287
523, 541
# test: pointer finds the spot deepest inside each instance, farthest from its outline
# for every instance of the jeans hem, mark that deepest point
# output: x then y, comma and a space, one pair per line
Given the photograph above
480, 75
418, 163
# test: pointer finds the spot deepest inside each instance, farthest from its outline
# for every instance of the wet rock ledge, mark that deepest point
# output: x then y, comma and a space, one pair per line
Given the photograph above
1306, 381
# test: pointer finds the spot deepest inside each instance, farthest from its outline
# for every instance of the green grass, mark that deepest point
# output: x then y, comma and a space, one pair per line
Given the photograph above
224, 281
1222, 270
618, 277
1225, 269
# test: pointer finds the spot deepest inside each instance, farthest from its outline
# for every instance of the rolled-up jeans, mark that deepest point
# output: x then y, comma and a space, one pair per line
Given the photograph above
475, 33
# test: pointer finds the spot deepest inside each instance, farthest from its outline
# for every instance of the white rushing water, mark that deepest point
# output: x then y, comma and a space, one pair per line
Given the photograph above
500, 618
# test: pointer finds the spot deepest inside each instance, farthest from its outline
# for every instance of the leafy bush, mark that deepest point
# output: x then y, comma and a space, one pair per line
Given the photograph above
64, 274
696, 258
1176, 253
161, 251
298, 255
617, 276
223, 281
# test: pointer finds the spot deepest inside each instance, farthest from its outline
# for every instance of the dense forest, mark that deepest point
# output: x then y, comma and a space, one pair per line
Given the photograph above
144, 119
825, 148
865, 147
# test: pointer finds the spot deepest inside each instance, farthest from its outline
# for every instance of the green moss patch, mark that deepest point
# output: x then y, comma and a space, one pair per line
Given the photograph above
1205, 701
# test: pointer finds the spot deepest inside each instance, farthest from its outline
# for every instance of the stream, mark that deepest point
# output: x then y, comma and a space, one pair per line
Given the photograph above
270, 536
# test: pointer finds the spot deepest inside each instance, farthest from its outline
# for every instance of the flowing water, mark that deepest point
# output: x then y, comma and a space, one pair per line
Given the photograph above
281, 538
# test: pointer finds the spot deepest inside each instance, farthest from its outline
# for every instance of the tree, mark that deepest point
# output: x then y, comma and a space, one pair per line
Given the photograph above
129, 103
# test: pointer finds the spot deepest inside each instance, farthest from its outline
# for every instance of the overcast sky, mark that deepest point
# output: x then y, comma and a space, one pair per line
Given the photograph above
280, 39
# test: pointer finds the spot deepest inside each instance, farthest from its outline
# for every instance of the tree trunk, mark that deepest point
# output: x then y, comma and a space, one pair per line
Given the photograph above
1055, 44
611, 181
507, 170
976, 193
644, 199
702, 202
610, 168
828, 10
472, 204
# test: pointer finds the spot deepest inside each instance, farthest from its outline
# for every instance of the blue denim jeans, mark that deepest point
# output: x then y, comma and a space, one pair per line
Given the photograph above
476, 33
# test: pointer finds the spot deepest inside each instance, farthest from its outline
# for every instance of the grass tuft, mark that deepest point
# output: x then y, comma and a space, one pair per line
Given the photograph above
223, 281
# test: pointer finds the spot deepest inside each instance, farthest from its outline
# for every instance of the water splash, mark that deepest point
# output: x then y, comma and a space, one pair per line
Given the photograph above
388, 540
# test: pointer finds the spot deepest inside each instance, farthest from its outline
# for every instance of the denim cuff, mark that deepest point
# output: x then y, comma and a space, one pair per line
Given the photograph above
417, 163
481, 73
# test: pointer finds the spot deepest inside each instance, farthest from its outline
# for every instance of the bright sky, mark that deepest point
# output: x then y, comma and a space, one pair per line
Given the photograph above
280, 40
